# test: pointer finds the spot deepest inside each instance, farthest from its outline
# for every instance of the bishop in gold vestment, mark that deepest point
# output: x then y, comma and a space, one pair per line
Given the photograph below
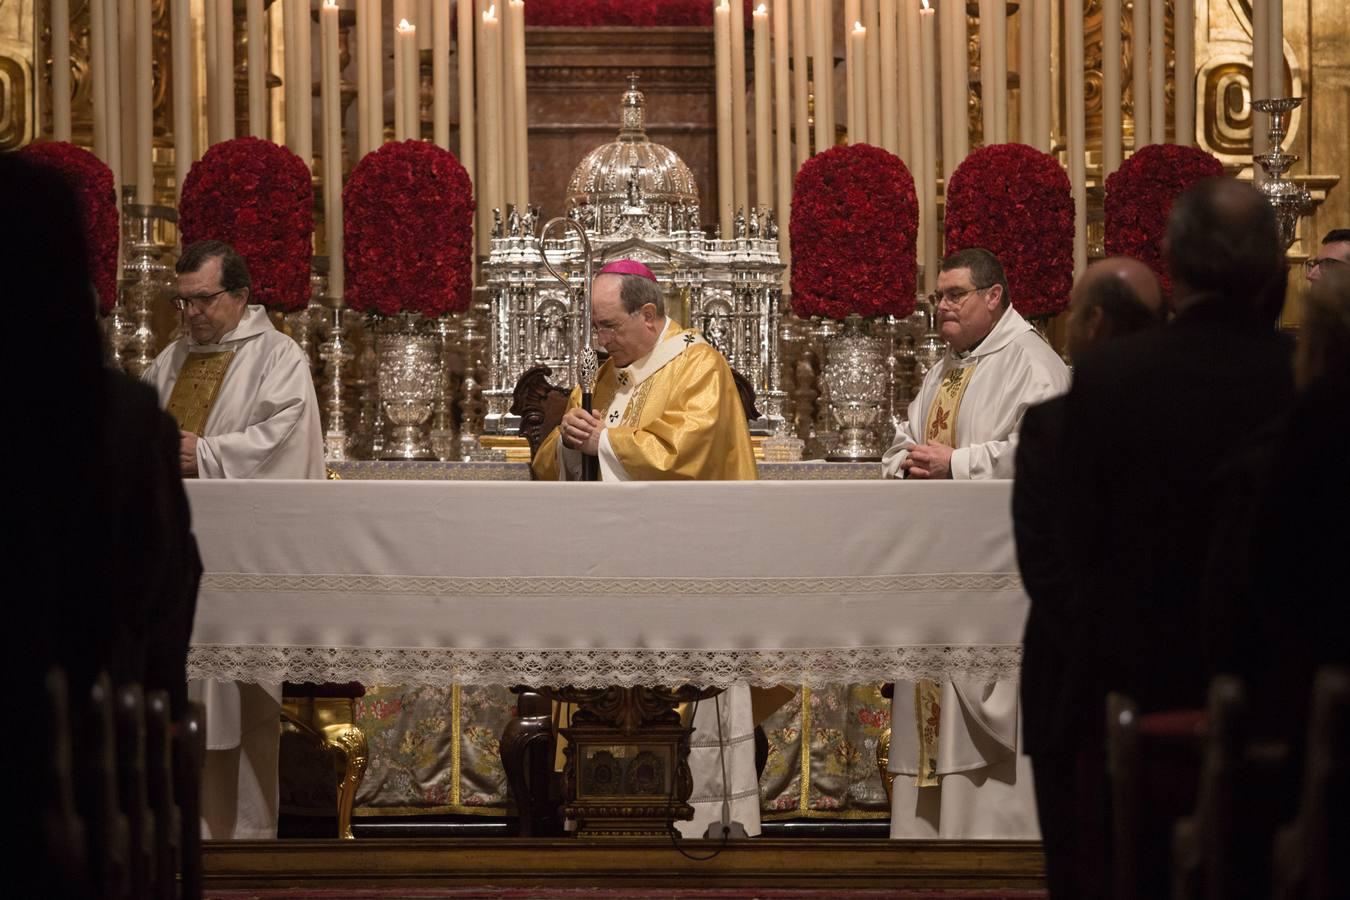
666, 405
665, 408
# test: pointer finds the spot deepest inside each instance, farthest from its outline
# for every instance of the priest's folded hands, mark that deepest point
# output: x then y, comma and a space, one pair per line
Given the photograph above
580, 430
931, 460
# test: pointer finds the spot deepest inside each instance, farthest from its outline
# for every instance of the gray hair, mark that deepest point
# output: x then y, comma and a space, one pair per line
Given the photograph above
234, 276
636, 292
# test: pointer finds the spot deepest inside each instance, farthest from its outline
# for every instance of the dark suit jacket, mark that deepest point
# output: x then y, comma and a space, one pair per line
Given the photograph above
1052, 696
113, 566
1150, 418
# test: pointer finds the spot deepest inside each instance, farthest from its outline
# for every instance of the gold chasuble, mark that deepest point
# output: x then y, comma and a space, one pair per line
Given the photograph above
198, 386
674, 414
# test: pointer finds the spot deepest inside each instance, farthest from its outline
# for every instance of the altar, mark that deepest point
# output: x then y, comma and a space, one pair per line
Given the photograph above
454, 589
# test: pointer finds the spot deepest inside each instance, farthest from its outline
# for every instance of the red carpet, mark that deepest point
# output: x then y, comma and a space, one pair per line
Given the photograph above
517, 893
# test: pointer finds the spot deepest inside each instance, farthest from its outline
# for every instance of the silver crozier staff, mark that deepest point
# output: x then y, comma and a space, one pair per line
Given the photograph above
583, 337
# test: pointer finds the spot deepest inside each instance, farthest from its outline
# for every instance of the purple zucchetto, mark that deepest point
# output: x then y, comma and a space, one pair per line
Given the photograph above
628, 267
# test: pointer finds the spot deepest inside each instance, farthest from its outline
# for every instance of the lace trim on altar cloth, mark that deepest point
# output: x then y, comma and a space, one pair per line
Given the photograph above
439, 666
447, 586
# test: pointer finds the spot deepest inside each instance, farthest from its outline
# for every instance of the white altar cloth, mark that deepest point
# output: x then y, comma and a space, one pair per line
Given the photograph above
432, 583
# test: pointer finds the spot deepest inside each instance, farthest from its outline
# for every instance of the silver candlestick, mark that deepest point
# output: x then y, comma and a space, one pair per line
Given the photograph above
146, 275
336, 353
1289, 198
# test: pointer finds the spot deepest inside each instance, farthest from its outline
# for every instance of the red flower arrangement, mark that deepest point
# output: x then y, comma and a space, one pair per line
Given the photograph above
621, 13
1139, 198
92, 182
255, 196
853, 227
409, 231
1015, 202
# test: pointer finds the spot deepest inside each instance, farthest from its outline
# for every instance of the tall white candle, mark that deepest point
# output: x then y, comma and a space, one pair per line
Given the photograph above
508, 99
872, 94
1275, 72
1026, 55
304, 88
822, 68
145, 105
801, 111
60, 25
930, 240
782, 165
464, 24
520, 107
1076, 131
1183, 102
913, 88
225, 67
853, 115
363, 98
858, 81
998, 91
1111, 87
112, 71
952, 57
1139, 89
399, 14
211, 39
405, 104
375, 73
1157, 76
764, 149
423, 23
1040, 67
988, 105
180, 46
330, 93
440, 75
740, 127
257, 69
98, 78
491, 75
726, 170
893, 100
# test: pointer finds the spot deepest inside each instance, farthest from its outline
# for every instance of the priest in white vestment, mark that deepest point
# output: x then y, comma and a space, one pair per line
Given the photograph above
667, 408
963, 423
244, 400
955, 746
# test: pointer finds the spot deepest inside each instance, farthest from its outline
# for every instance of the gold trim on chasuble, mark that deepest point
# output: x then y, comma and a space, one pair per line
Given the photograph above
941, 425
198, 386
940, 428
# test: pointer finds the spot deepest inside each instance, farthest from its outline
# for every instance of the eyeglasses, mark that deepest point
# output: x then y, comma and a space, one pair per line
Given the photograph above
610, 330
953, 298
201, 303
1326, 262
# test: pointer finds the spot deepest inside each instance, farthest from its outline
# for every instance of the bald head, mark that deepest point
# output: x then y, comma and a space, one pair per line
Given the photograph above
1115, 297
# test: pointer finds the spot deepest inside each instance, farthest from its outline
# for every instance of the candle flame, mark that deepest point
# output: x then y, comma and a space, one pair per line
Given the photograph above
405, 25
858, 28
330, 3
925, 4
761, 10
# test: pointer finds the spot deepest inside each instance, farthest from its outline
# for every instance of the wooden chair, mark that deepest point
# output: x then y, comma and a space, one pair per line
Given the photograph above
108, 833
324, 715
132, 789
64, 867
1223, 849
189, 755
168, 825
1153, 764
1307, 865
